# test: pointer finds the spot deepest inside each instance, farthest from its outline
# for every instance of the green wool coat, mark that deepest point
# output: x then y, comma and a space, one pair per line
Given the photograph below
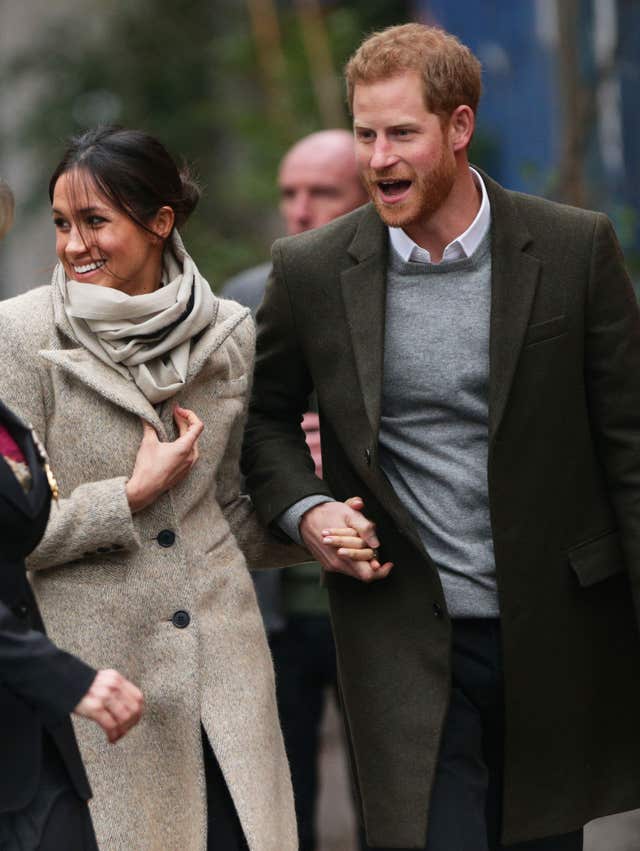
108, 589
564, 491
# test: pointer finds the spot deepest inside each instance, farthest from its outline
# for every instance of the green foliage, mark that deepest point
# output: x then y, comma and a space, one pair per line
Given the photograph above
187, 71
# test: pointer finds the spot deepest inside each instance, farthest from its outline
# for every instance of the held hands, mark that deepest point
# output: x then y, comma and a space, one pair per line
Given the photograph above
343, 540
159, 466
112, 702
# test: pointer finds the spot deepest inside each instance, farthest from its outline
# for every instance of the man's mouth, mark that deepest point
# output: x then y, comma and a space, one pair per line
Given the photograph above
393, 190
88, 267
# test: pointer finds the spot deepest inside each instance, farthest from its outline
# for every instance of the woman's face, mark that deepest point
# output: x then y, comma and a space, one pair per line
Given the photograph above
99, 244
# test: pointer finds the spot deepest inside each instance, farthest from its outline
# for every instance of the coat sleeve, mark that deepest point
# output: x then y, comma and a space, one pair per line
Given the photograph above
612, 372
95, 516
35, 670
276, 461
261, 548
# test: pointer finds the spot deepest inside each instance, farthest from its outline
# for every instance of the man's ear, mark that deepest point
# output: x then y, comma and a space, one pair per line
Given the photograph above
163, 222
461, 126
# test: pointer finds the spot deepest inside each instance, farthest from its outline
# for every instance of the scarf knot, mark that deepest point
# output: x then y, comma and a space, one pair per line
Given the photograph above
146, 338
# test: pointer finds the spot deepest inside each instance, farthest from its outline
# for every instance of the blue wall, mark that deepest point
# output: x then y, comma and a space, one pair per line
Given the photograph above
519, 121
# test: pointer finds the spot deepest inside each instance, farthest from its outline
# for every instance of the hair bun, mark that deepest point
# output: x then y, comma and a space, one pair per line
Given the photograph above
190, 196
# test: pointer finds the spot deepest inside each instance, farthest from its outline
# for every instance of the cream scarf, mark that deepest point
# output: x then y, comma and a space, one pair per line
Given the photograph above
146, 338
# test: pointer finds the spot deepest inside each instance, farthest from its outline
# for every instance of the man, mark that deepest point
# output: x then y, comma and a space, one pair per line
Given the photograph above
475, 354
318, 181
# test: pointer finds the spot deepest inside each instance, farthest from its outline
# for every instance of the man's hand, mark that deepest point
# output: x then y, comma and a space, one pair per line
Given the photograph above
113, 702
354, 545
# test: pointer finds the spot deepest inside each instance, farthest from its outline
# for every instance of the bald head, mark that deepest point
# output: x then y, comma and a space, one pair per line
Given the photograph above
319, 180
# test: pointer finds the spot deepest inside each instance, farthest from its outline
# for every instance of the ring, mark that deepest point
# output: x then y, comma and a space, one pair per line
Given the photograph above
375, 553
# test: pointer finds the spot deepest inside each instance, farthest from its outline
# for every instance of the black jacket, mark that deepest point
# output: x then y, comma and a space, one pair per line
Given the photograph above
39, 684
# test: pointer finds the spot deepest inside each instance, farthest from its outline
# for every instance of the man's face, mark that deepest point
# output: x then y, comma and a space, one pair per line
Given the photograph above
403, 151
317, 187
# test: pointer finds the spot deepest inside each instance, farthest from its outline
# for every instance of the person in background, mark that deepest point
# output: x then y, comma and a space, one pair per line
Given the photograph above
475, 354
318, 181
43, 785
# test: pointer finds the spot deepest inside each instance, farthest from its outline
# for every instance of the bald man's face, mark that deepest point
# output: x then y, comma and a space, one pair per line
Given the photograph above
316, 186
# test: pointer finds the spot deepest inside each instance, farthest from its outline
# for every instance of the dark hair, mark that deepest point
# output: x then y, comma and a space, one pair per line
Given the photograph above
133, 170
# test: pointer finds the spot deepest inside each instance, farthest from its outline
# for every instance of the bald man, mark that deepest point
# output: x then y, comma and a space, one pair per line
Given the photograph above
318, 181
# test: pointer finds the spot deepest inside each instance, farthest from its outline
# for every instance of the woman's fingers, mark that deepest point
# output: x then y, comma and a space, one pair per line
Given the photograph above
349, 540
148, 432
366, 554
340, 532
190, 427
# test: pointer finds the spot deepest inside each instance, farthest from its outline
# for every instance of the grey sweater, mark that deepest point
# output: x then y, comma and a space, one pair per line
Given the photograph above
434, 424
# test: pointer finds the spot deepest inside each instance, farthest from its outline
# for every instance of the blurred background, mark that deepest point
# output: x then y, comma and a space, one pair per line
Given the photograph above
229, 85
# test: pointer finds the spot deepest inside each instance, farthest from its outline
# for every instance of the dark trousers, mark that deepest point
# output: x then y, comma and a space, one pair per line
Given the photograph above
224, 832
69, 826
465, 811
305, 664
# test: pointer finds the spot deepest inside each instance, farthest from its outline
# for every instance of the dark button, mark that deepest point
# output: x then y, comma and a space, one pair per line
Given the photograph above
104, 549
437, 610
181, 619
367, 455
166, 538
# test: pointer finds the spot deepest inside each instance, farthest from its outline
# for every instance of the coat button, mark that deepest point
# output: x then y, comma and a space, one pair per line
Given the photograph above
437, 610
104, 549
367, 455
166, 538
181, 619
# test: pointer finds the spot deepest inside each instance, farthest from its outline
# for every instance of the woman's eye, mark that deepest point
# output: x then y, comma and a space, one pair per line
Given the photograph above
95, 221
60, 223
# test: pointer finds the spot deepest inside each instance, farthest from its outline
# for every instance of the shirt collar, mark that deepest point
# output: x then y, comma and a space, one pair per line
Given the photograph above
462, 246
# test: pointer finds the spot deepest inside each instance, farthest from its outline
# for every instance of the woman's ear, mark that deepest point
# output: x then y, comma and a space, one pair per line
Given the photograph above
163, 222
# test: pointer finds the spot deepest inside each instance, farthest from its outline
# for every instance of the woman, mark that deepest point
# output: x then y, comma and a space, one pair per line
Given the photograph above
138, 565
43, 787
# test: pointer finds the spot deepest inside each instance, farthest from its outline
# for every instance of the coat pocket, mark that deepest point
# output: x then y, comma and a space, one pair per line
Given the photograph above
598, 559
540, 332
228, 388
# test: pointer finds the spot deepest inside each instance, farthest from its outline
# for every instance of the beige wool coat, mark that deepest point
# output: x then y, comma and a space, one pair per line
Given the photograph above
109, 589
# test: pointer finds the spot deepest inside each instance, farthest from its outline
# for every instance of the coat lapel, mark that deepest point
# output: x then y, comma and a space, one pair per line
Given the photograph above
105, 381
364, 293
514, 277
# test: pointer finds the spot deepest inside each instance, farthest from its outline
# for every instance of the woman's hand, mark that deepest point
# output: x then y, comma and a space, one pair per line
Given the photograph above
349, 544
112, 702
159, 466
